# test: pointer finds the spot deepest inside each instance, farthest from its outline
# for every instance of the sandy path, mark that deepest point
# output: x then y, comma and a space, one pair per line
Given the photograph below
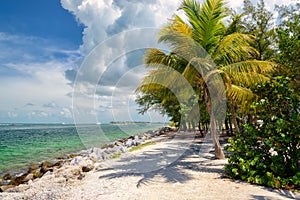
165, 170
190, 177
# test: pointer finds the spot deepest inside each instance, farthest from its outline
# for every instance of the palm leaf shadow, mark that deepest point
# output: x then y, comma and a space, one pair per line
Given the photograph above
171, 173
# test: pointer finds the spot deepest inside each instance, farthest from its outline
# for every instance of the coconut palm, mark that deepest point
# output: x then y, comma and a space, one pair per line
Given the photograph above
203, 51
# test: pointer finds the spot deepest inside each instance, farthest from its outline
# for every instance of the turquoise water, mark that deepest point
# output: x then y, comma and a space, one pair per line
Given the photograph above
25, 144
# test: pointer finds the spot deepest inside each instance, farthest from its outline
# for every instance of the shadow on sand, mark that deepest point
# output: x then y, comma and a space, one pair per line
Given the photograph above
168, 161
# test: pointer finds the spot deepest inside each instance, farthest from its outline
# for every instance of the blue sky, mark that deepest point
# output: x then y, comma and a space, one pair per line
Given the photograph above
44, 42
38, 39
44, 19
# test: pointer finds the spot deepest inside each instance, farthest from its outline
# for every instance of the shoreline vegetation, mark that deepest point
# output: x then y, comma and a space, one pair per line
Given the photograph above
84, 158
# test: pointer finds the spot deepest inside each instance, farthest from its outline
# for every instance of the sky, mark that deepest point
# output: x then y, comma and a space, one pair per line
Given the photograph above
77, 60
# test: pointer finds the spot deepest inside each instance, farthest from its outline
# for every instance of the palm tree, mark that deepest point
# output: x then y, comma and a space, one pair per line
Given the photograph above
203, 51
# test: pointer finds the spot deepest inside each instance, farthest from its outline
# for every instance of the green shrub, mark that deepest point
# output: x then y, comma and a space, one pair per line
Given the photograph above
268, 153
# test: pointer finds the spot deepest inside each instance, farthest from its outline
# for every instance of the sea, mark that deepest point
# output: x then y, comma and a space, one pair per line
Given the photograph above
22, 145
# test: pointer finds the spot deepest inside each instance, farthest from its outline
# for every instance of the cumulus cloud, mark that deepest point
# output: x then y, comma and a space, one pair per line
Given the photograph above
42, 85
100, 74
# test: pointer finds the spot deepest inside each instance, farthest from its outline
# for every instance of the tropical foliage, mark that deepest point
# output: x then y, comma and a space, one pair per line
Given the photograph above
203, 52
268, 151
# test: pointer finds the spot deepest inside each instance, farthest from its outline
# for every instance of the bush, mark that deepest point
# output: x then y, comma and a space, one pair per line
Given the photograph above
267, 152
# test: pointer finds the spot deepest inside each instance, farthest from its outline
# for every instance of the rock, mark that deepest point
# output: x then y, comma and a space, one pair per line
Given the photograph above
81, 176
58, 163
28, 177
106, 146
74, 155
105, 156
45, 167
87, 165
108, 151
60, 158
76, 160
115, 149
15, 182
33, 167
122, 149
129, 143
37, 174
85, 152
20, 179
134, 143
48, 173
4, 182
123, 140
117, 143
93, 157
98, 152
69, 172
7, 177
138, 142
6, 187
147, 136
29, 183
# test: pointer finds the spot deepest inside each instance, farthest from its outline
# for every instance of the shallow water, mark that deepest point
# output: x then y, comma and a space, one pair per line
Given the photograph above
25, 144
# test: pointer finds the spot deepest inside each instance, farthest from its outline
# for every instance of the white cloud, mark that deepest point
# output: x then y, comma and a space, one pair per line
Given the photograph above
102, 19
43, 85
270, 4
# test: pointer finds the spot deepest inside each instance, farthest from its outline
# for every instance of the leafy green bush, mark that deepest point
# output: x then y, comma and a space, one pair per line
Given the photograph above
267, 152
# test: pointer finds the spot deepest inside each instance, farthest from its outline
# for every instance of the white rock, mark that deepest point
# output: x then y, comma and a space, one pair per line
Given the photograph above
76, 160
87, 165
129, 143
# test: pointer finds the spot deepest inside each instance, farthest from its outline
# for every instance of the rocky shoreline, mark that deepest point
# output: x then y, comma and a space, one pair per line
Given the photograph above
74, 166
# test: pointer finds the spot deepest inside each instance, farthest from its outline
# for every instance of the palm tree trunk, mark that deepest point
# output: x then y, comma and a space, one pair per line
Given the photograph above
227, 126
230, 125
234, 117
213, 127
218, 150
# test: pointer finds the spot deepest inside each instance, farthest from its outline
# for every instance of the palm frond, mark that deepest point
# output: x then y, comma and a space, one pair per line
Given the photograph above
155, 57
234, 48
175, 25
167, 78
236, 24
249, 78
240, 95
206, 21
249, 66
182, 45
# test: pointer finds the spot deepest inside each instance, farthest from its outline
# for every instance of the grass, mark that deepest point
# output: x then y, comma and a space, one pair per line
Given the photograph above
140, 146
115, 156
118, 155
